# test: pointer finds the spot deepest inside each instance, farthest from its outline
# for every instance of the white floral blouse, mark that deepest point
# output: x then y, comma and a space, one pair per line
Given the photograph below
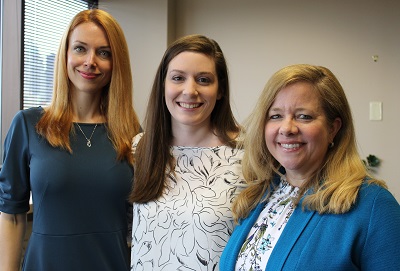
263, 236
189, 226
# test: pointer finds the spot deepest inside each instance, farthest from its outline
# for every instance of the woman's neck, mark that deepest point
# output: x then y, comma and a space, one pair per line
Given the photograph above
295, 180
87, 111
189, 136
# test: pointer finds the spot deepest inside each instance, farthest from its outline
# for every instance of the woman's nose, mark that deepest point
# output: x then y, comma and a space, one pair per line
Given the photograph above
190, 87
90, 59
288, 127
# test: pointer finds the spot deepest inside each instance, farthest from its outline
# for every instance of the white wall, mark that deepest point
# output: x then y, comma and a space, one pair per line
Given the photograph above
145, 24
260, 36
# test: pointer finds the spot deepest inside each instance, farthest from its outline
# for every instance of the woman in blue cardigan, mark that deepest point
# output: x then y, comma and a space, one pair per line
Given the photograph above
311, 203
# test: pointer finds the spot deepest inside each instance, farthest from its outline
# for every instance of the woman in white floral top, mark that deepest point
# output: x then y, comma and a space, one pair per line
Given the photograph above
187, 164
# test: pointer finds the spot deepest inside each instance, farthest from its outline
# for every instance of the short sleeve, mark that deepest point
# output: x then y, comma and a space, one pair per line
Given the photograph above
14, 175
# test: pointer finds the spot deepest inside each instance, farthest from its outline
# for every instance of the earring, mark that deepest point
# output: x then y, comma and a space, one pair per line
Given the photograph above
331, 145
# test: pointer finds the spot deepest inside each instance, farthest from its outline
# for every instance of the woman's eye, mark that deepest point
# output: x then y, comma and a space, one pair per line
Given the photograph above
105, 54
204, 80
273, 117
79, 49
177, 78
304, 117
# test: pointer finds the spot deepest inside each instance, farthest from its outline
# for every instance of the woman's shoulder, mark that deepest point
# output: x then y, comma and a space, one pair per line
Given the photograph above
135, 141
31, 115
377, 197
137, 138
373, 190
33, 111
381, 210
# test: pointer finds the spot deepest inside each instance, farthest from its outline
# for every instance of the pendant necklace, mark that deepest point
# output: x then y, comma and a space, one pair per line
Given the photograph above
89, 142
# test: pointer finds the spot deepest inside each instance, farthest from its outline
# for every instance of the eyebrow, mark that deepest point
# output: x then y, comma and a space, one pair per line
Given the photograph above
200, 73
278, 109
84, 43
275, 109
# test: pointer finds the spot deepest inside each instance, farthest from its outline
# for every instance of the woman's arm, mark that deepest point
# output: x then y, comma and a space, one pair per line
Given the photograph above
12, 233
381, 248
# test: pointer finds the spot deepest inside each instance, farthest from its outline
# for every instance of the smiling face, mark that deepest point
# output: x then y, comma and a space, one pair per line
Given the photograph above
297, 132
191, 89
89, 60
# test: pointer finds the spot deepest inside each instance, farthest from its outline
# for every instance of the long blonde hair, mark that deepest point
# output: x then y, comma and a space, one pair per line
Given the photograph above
116, 100
332, 189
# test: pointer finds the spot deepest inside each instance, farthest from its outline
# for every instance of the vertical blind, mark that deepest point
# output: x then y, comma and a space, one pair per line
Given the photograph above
44, 24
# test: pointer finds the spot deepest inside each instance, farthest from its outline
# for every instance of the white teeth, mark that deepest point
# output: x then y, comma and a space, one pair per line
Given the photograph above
290, 146
185, 105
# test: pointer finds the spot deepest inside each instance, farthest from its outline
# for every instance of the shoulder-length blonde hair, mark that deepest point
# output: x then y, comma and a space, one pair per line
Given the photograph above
334, 188
153, 155
116, 101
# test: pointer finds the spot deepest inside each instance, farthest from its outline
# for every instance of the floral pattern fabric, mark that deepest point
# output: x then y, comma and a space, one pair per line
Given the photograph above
263, 236
189, 226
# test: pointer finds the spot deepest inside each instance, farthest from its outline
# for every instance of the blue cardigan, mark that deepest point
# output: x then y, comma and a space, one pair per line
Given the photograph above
365, 238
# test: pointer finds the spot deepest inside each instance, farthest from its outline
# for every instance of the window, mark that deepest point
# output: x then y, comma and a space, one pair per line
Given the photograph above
44, 24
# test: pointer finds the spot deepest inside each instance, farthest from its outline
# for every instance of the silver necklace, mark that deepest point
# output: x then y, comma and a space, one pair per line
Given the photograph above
89, 142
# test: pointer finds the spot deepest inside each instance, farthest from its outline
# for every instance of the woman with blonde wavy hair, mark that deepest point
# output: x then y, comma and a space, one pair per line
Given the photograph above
311, 203
74, 156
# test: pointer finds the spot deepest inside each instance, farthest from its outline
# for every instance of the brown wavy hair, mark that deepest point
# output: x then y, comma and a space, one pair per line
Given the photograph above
152, 156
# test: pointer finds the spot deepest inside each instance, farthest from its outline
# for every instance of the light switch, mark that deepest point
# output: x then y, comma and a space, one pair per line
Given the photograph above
375, 111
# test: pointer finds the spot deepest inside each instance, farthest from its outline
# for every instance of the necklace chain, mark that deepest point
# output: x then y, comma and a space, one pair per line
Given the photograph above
89, 142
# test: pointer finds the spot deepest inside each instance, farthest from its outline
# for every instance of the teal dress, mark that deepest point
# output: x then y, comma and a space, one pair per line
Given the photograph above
79, 200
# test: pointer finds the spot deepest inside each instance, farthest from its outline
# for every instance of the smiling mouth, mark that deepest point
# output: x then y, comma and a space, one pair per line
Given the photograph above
189, 106
88, 75
290, 146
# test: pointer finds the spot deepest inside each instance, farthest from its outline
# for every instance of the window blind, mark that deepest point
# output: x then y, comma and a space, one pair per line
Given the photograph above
44, 24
